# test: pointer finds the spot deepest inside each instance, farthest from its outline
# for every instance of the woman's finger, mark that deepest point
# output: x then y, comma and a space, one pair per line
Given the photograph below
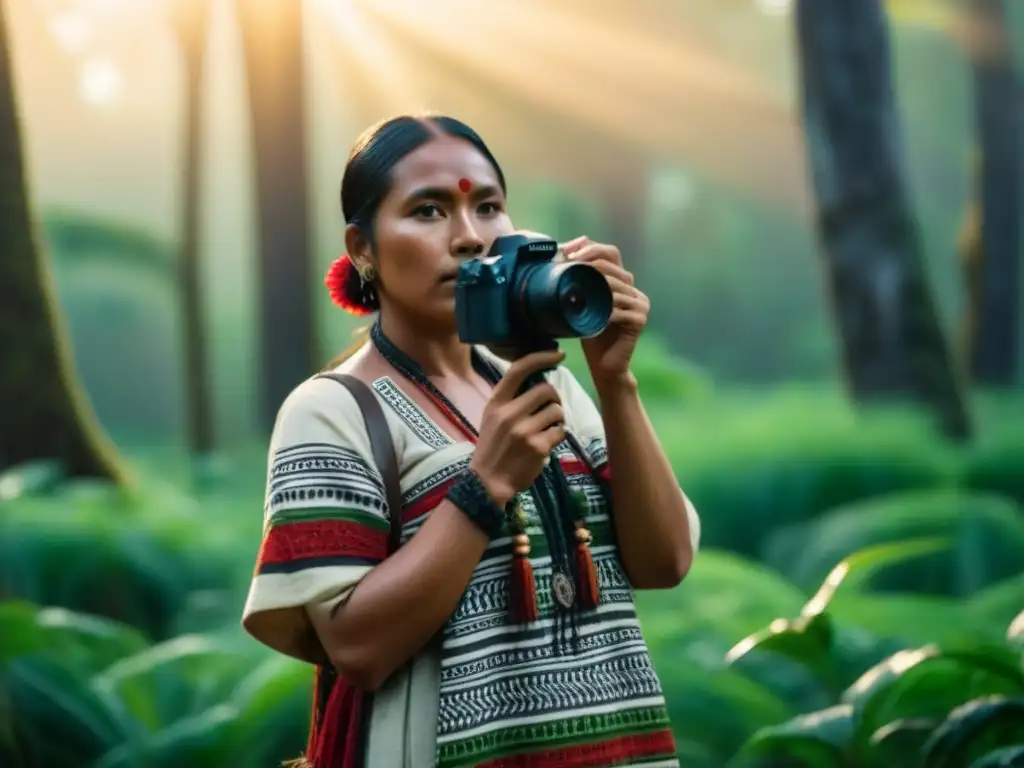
628, 318
597, 252
607, 268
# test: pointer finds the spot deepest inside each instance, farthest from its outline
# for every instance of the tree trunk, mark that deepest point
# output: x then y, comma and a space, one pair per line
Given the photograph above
893, 346
990, 245
192, 22
273, 45
625, 200
44, 415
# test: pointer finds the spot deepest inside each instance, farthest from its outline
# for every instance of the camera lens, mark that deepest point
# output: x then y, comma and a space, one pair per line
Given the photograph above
574, 301
564, 300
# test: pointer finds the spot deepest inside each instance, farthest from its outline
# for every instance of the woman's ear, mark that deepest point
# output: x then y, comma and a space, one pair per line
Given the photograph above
357, 246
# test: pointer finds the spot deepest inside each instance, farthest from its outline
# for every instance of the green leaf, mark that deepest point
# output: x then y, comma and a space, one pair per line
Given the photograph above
926, 683
1015, 633
273, 711
997, 605
726, 596
860, 566
912, 620
975, 729
984, 531
806, 640
1006, 757
173, 680
899, 742
30, 478
815, 740
88, 641
59, 714
22, 632
99, 642
199, 741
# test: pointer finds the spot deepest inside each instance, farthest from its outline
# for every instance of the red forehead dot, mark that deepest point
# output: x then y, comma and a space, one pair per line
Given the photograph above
465, 185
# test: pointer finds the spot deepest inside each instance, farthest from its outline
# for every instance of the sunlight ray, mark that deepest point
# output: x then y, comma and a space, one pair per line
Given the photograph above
712, 129
375, 56
547, 40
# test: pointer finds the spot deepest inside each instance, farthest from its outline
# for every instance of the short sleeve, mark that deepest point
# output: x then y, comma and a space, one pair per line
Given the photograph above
326, 520
584, 419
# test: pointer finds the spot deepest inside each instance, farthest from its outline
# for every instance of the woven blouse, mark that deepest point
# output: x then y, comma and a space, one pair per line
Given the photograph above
567, 690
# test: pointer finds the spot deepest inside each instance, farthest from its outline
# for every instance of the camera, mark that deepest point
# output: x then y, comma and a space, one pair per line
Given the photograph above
520, 298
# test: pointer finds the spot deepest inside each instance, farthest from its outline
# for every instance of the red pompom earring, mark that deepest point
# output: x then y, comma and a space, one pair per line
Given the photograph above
350, 288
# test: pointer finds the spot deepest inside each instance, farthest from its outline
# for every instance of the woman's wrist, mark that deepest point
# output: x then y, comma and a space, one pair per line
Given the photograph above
617, 385
499, 492
480, 503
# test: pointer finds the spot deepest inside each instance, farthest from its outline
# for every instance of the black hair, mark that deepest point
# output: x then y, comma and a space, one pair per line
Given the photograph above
367, 178
381, 147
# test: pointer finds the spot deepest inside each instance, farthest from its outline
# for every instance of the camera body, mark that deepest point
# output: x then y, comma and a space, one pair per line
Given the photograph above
520, 298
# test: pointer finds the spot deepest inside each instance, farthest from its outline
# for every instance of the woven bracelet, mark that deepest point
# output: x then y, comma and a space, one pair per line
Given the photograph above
469, 494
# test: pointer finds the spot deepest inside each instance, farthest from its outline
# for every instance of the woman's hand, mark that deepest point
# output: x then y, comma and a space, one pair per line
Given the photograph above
608, 354
517, 434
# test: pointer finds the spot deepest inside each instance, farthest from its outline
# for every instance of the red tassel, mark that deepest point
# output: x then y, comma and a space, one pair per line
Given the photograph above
522, 589
341, 743
587, 588
314, 721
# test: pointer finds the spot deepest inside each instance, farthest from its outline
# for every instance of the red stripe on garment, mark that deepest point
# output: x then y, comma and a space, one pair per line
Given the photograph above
307, 539
428, 501
577, 467
574, 467
602, 753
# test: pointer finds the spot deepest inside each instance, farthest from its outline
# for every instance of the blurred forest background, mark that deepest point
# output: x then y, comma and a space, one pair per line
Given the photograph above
822, 199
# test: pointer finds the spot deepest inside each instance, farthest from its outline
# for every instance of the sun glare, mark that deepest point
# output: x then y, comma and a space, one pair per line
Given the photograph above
362, 43
100, 82
71, 29
774, 7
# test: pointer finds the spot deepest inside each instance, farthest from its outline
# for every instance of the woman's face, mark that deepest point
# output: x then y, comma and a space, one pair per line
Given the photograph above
445, 205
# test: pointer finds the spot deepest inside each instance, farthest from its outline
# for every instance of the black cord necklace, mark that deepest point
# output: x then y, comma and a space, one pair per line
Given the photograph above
551, 493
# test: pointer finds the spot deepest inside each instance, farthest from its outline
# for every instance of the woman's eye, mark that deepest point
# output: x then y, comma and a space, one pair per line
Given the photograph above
490, 208
428, 211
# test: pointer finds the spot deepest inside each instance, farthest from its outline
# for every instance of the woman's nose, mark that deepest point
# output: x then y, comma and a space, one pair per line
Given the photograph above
466, 240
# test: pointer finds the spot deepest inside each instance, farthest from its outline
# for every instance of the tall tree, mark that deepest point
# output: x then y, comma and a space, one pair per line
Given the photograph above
893, 346
43, 412
990, 242
625, 198
272, 39
190, 19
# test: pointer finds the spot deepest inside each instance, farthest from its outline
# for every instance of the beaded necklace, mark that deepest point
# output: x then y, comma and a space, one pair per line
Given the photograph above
563, 511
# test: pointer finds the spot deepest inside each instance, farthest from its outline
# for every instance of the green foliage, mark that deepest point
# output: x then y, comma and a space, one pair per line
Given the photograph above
929, 706
73, 235
763, 461
84, 545
993, 463
767, 460
989, 540
128, 650
89, 692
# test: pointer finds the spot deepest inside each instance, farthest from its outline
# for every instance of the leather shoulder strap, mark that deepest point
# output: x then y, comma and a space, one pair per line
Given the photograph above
381, 444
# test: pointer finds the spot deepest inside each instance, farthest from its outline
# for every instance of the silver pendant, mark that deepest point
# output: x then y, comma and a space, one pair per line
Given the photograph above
562, 590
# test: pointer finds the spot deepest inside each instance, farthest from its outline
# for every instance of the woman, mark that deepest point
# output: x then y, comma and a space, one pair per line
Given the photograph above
519, 550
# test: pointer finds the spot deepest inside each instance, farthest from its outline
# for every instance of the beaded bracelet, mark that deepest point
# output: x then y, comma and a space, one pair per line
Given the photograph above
470, 495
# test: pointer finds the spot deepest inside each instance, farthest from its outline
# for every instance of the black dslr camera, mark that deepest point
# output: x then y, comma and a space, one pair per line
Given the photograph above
519, 299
